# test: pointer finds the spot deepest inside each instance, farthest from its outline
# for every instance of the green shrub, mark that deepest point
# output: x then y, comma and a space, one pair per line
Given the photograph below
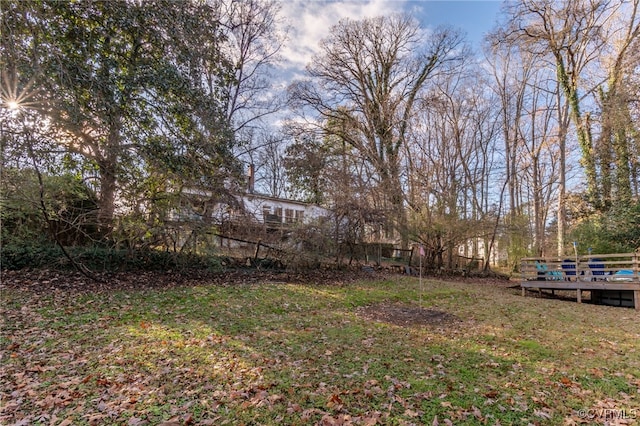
70, 206
616, 231
15, 257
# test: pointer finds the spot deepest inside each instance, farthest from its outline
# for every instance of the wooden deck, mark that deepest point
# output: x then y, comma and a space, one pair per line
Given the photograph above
603, 275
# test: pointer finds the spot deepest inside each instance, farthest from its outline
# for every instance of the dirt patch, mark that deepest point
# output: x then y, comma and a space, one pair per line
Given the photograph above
406, 315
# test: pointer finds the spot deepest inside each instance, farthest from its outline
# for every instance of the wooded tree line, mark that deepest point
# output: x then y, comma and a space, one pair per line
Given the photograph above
114, 108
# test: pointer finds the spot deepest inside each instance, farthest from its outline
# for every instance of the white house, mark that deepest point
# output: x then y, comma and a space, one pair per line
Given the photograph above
258, 208
273, 210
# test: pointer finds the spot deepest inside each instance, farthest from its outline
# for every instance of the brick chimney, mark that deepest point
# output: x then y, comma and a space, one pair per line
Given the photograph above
251, 178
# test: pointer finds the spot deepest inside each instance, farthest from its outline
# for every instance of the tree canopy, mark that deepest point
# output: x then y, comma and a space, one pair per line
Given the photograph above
119, 88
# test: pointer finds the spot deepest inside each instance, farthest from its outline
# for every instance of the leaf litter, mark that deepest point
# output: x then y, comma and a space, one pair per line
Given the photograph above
137, 354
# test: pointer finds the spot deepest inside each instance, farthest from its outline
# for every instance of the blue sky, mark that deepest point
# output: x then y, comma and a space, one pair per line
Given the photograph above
474, 17
310, 20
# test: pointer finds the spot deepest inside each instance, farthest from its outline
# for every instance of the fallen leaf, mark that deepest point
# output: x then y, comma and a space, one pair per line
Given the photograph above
566, 381
491, 394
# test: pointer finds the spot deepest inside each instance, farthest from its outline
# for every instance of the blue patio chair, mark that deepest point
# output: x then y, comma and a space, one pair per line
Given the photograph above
544, 274
542, 270
569, 268
597, 269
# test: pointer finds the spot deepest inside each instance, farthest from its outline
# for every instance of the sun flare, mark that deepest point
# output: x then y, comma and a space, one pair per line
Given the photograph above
15, 96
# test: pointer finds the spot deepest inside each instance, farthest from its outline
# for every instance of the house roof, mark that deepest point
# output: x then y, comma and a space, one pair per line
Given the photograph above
256, 195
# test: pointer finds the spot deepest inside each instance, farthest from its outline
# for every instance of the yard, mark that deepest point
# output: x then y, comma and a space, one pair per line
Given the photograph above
282, 350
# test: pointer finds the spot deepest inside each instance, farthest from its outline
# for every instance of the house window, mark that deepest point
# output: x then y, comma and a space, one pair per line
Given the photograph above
299, 215
266, 211
278, 212
288, 215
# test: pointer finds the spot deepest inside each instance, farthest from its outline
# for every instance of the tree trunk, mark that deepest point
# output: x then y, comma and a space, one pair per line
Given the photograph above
108, 167
562, 179
583, 128
106, 201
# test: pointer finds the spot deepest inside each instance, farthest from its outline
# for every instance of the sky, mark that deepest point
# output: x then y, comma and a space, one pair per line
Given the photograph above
311, 20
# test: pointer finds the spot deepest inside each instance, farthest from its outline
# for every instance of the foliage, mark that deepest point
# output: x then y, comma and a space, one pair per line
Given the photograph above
22, 256
69, 203
300, 353
121, 87
306, 162
616, 231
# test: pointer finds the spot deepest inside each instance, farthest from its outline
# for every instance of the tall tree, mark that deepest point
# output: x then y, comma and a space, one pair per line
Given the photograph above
511, 69
306, 165
570, 32
121, 83
451, 153
362, 88
614, 148
255, 37
270, 167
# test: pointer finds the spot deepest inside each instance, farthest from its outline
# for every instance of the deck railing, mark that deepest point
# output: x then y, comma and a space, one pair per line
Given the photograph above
594, 267
604, 275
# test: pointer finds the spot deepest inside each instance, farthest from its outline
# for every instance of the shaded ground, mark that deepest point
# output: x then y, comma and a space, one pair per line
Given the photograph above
42, 280
406, 315
45, 280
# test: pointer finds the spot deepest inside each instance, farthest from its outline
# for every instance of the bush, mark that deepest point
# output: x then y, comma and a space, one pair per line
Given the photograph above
616, 231
69, 203
15, 257
29, 256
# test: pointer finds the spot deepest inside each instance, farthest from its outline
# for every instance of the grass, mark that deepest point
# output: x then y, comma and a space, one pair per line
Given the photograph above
301, 354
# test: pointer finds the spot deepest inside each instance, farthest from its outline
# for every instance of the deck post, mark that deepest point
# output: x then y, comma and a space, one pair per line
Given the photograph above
636, 299
579, 295
524, 292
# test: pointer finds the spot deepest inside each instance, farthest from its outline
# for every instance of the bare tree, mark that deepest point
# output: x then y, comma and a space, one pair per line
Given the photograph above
535, 125
270, 170
452, 148
363, 87
571, 33
541, 160
510, 69
256, 35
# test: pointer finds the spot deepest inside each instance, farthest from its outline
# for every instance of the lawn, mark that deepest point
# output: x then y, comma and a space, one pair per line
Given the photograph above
386, 351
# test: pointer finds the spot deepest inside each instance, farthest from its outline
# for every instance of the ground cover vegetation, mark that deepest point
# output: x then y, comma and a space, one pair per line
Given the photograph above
165, 349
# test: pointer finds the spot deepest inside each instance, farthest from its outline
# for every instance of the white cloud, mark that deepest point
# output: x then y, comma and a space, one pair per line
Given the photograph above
311, 21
